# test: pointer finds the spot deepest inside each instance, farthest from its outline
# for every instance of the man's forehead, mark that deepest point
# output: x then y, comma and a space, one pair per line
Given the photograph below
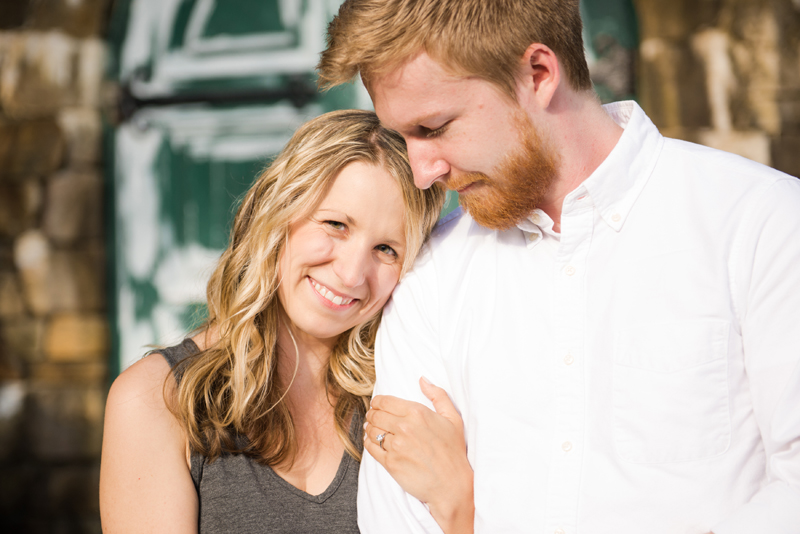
414, 92
416, 69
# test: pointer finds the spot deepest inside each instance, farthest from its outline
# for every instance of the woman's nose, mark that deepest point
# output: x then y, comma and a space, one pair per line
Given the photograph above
352, 265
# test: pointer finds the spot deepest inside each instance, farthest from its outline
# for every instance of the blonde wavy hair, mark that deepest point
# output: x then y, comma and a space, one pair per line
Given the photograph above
483, 38
232, 389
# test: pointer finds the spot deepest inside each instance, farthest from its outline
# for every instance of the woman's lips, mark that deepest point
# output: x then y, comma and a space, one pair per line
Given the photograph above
330, 296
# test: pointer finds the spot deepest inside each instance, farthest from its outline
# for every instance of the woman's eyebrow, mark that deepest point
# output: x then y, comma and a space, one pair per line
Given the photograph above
340, 215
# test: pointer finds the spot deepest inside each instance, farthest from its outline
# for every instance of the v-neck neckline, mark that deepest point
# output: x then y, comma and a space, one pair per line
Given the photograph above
344, 465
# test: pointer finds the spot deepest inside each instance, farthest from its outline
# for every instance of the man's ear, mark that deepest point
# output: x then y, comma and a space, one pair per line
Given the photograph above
540, 75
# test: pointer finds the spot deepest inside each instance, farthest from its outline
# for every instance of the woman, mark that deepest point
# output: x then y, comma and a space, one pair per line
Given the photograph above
255, 423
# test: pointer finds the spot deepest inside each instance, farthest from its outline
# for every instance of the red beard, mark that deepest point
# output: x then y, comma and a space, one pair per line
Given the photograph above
518, 185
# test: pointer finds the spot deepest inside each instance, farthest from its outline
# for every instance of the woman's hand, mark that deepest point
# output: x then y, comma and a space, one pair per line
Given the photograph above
425, 453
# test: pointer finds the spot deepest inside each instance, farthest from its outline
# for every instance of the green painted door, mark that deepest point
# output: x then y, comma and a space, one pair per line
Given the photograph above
213, 89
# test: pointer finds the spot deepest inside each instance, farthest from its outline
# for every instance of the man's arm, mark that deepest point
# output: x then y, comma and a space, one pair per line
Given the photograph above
767, 295
407, 348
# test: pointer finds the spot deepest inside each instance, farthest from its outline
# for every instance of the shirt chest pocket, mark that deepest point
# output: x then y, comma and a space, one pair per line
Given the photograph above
670, 392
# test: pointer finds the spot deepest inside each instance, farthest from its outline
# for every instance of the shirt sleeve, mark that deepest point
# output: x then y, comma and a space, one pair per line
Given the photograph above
407, 348
767, 293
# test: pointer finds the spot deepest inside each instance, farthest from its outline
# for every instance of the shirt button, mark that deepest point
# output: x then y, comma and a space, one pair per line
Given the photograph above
559, 531
533, 236
566, 446
535, 218
616, 217
569, 270
568, 359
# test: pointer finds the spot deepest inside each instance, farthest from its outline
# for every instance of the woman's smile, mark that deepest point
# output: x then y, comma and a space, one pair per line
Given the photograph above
331, 298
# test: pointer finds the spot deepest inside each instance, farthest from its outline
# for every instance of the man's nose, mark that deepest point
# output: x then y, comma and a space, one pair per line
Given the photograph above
352, 265
426, 163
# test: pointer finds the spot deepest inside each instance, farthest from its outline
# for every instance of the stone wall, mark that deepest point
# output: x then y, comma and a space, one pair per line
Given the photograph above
724, 73
54, 345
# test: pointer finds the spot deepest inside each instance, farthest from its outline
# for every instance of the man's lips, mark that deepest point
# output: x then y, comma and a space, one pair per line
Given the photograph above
464, 189
465, 183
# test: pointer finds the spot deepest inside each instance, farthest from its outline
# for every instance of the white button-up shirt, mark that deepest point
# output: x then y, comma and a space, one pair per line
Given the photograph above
637, 373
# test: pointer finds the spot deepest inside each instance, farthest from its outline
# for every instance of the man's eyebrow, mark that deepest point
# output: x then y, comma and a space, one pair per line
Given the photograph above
425, 118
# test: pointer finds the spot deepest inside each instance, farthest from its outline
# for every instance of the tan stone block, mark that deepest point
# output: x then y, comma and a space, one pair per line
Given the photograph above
74, 374
91, 71
11, 304
790, 112
64, 423
671, 85
74, 206
77, 281
753, 145
43, 72
31, 147
786, 154
20, 201
38, 73
22, 340
76, 338
59, 280
82, 129
79, 18
675, 19
11, 366
32, 255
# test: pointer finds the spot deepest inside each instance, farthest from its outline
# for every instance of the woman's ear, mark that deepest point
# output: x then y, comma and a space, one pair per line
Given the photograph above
540, 75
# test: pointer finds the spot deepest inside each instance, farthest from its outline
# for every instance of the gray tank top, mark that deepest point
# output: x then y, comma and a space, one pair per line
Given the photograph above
239, 495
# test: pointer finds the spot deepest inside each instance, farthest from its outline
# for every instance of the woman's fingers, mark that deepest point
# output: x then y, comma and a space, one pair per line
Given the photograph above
377, 449
438, 396
393, 405
441, 402
374, 433
385, 420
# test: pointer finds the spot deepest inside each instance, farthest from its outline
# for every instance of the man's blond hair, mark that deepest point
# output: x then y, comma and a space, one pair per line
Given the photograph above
483, 38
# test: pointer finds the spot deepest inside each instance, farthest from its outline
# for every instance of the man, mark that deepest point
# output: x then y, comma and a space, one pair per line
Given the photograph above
615, 316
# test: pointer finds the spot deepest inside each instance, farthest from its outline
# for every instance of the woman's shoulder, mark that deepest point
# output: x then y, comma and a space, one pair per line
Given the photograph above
145, 381
142, 384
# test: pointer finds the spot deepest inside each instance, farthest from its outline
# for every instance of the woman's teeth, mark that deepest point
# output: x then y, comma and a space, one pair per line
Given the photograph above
325, 292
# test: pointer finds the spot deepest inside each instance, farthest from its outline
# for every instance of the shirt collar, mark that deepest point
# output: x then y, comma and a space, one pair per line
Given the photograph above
535, 226
616, 184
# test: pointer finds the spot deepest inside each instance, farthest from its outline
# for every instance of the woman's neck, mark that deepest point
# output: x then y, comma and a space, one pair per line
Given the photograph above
311, 402
303, 367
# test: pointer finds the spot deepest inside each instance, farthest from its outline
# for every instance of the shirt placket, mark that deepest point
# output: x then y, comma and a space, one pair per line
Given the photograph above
567, 442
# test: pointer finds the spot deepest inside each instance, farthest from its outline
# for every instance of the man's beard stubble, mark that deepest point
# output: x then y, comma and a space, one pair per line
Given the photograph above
518, 185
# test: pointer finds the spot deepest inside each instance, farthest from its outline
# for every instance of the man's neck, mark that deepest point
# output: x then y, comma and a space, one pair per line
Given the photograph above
584, 134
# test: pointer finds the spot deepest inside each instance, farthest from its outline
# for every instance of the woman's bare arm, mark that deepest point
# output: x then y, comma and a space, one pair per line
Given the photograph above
425, 452
145, 482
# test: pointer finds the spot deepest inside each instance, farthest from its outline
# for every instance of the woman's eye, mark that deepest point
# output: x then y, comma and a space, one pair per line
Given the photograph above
336, 225
386, 249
